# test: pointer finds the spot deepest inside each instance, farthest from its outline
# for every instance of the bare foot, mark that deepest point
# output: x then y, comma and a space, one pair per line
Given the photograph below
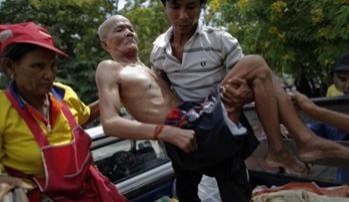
320, 148
287, 160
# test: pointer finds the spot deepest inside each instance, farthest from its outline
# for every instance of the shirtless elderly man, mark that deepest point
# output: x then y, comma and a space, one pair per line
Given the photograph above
125, 80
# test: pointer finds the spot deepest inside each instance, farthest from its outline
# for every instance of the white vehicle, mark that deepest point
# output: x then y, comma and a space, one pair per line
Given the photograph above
139, 169
143, 173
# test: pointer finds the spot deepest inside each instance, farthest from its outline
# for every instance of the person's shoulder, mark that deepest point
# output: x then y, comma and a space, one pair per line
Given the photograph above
218, 36
59, 86
163, 38
63, 91
213, 30
216, 32
108, 64
5, 107
333, 91
107, 69
2, 95
332, 86
160, 41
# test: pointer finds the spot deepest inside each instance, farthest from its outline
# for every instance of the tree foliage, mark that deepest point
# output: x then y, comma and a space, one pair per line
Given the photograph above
73, 23
301, 37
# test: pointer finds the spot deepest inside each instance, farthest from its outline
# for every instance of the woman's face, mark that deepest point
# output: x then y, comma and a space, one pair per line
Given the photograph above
35, 72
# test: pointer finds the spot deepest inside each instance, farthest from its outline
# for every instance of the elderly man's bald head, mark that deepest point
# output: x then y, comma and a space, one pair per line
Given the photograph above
107, 24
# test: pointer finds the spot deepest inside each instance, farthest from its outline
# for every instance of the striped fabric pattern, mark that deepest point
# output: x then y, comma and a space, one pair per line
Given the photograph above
207, 57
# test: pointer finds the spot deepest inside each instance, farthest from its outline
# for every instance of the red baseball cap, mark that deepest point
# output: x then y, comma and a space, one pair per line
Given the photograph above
27, 32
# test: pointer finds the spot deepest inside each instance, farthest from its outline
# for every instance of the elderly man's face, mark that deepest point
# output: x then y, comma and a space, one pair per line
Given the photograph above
121, 37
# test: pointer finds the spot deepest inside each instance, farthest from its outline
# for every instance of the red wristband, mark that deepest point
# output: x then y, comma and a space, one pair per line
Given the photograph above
157, 131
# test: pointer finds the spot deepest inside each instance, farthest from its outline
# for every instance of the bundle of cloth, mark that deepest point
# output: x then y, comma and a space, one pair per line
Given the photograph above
301, 192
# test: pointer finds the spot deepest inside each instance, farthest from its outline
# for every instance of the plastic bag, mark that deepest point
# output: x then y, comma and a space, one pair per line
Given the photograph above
16, 195
208, 190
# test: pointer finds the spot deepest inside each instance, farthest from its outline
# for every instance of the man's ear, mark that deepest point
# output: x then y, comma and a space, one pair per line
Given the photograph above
104, 45
7, 66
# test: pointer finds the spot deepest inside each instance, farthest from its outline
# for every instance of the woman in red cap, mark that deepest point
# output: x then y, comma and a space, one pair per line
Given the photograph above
42, 145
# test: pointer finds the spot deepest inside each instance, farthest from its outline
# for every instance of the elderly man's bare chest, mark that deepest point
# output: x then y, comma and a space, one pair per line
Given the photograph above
135, 82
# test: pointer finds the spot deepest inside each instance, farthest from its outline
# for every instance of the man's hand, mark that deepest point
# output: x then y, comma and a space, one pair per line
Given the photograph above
182, 138
235, 93
302, 101
7, 183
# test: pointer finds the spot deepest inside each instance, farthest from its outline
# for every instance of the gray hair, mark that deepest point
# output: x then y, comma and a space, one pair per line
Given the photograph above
103, 28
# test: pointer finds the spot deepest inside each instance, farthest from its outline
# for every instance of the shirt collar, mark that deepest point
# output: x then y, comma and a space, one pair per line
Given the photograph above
164, 39
14, 92
59, 94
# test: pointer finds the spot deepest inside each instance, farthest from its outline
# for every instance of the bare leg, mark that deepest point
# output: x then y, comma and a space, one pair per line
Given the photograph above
310, 146
259, 77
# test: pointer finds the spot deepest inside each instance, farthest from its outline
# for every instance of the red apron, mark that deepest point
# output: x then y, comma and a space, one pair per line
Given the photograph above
66, 166
69, 173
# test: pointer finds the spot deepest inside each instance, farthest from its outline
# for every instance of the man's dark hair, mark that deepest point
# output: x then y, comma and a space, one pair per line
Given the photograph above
203, 2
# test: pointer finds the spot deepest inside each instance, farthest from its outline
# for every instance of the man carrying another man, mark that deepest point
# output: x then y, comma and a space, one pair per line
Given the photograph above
196, 58
125, 80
